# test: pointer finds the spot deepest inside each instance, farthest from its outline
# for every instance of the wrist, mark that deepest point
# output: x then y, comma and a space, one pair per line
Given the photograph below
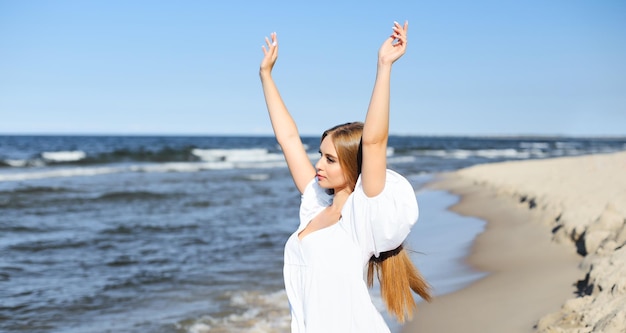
265, 73
384, 66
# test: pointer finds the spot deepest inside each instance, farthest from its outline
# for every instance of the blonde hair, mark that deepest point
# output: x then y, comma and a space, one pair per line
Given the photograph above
394, 269
398, 276
347, 141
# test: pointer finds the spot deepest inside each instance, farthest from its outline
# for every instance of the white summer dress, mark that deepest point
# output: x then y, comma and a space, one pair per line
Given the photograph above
324, 272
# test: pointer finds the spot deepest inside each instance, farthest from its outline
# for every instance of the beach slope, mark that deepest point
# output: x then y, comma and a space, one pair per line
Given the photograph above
553, 248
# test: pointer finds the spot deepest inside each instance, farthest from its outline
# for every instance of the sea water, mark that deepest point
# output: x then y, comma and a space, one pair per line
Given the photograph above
186, 234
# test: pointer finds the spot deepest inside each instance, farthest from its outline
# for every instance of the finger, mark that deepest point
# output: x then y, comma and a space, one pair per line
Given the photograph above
399, 29
274, 47
400, 32
264, 50
399, 36
274, 39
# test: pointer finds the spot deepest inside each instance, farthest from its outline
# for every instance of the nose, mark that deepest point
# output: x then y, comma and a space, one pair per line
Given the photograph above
318, 165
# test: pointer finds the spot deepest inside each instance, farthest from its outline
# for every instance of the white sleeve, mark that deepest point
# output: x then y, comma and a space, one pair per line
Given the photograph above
383, 222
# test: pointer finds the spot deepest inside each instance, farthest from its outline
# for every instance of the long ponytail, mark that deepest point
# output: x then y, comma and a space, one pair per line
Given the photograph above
398, 276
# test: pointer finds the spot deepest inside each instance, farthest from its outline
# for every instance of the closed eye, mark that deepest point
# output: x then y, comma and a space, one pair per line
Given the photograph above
329, 158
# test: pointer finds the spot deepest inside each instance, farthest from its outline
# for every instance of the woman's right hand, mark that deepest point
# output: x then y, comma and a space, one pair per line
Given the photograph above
270, 54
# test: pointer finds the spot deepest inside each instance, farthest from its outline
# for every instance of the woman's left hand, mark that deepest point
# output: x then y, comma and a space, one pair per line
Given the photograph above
394, 47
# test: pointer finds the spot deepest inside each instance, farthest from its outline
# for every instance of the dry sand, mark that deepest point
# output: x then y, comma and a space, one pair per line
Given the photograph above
553, 248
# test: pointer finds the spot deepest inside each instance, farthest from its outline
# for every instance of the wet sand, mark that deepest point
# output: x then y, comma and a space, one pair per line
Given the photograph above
537, 248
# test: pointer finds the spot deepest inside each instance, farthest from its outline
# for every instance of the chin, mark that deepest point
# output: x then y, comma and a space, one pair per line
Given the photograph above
324, 186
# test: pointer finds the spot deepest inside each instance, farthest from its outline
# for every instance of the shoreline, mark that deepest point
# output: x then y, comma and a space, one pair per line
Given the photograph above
539, 227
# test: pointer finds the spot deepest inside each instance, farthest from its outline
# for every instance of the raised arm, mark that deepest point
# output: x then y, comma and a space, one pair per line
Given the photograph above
376, 128
285, 130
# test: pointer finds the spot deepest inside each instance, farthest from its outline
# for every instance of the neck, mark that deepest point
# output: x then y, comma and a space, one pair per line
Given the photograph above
340, 197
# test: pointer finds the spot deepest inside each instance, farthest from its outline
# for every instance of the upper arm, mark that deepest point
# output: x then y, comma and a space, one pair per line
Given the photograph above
286, 132
300, 166
374, 167
376, 135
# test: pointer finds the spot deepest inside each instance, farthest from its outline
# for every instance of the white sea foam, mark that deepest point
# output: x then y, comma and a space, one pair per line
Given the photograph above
496, 153
64, 156
171, 167
258, 176
67, 172
534, 145
253, 312
223, 159
401, 159
16, 163
199, 328
33, 174
236, 155
256, 155
211, 159
485, 153
566, 145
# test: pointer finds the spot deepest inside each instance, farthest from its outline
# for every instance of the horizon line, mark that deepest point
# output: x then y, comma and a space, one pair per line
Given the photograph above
471, 135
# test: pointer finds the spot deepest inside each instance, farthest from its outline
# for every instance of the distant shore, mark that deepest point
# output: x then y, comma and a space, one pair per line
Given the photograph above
553, 248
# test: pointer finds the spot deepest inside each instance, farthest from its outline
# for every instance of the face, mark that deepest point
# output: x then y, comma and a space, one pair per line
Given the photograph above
329, 172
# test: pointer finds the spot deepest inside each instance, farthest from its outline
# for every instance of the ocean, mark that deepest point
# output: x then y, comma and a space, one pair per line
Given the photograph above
186, 234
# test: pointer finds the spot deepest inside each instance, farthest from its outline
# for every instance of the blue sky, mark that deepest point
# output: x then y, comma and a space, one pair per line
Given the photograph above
191, 67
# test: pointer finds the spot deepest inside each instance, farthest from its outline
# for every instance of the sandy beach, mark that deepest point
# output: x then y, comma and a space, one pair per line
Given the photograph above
553, 248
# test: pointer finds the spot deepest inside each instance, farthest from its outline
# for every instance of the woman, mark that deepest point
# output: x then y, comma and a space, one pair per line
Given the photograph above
354, 212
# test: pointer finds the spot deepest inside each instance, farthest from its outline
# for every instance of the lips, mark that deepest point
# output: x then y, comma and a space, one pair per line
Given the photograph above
319, 177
